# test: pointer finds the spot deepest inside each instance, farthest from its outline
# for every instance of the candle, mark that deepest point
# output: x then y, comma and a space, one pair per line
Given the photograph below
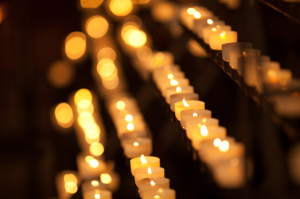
130, 126
176, 90
282, 76
66, 183
98, 193
135, 147
195, 124
187, 115
207, 30
165, 70
179, 97
185, 105
170, 75
269, 66
192, 14
148, 172
173, 82
229, 173
158, 60
89, 166
159, 193
153, 183
111, 179
144, 161
218, 38
91, 185
226, 48
249, 66
133, 134
204, 21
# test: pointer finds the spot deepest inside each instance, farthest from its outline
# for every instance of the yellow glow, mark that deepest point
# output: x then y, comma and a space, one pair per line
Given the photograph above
217, 142
170, 76
88, 159
152, 183
163, 11
94, 163
120, 105
106, 67
272, 78
191, 11
92, 133
197, 15
173, 82
70, 178
105, 178
127, 29
159, 58
82, 94
96, 149
85, 118
224, 146
185, 104
71, 187
96, 26
108, 53
143, 159
203, 130
144, 53
210, 21
64, 115
178, 89
90, 3
149, 170
128, 118
95, 183
75, 45
130, 126
195, 114
156, 196
60, 74
222, 35
92, 140
137, 38
160, 190
204, 120
97, 195
135, 144
120, 7
85, 105
214, 29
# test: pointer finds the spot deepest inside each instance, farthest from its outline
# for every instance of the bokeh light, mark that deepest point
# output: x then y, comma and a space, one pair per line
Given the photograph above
137, 38
75, 45
108, 53
120, 7
82, 94
96, 26
96, 149
105, 178
144, 53
60, 74
64, 115
164, 11
90, 3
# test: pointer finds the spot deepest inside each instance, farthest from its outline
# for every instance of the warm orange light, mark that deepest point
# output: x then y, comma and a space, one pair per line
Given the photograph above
70, 178
143, 159
88, 159
120, 7
95, 183
64, 115
191, 11
197, 15
135, 144
120, 105
130, 126
90, 3
178, 89
149, 170
82, 94
217, 142
272, 76
164, 11
60, 74
144, 53
224, 146
214, 29
108, 53
137, 38
195, 114
105, 67
71, 187
105, 178
85, 118
96, 149
156, 196
203, 130
170, 76
94, 163
92, 133
222, 35
97, 195
85, 105
75, 45
159, 58
128, 118
185, 104
96, 26
173, 82
210, 21
111, 84
152, 183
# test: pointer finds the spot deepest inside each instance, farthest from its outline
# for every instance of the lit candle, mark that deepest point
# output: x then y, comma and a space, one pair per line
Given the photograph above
226, 48
195, 125
199, 23
144, 161
153, 183
111, 179
168, 76
185, 105
188, 15
130, 126
165, 70
159, 193
187, 115
148, 172
218, 38
176, 90
98, 194
66, 183
91, 185
173, 82
135, 147
89, 166
207, 30
133, 134
179, 97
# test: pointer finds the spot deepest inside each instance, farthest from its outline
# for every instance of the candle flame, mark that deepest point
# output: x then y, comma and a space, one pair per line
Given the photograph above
214, 29
143, 159
97, 195
136, 144
203, 130
170, 76
95, 183
152, 183
94, 163
224, 146
156, 196
88, 159
217, 142
223, 35
178, 89
128, 118
185, 104
130, 126
173, 82
191, 11
149, 171
120, 105
105, 178
197, 15
210, 21
195, 114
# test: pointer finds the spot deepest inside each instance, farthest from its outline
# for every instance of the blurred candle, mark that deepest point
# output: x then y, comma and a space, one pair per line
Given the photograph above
159, 193
187, 115
207, 30
148, 172
173, 82
66, 183
89, 166
171, 75
153, 183
98, 193
196, 123
159, 60
218, 38
135, 147
144, 161
203, 21
179, 97
226, 48
185, 105
176, 90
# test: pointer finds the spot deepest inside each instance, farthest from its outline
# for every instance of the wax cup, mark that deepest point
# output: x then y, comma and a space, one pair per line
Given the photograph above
153, 183
136, 163
103, 194
191, 104
179, 97
218, 38
143, 172
187, 115
135, 147
193, 124
161, 193
176, 90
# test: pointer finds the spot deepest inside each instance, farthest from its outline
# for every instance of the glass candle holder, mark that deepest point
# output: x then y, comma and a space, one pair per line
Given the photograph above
173, 82
207, 30
195, 124
226, 48
159, 193
135, 147
144, 161
185, 105
153, 183
203, 21
90, 167
179, 97
187, 115
148, 172
177, 90
98, 193
218, 38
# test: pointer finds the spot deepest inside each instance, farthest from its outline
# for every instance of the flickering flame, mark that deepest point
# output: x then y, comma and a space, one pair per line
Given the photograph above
149, 170
130, 126
224, 146
143, 159
191, 11
195, 114
82, 94
96, 26
178, 89
105, 178
214, 29
88, 159
95, 183
96, 149
120, 7
197, 15
203, 130
137, 38
120, 105
70, 178
152, 183
173, 82
97, 195
170, 76
210, 21
217, 142
94, 163
223, 35
128, 118
156, 196
135, 144
185, 104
